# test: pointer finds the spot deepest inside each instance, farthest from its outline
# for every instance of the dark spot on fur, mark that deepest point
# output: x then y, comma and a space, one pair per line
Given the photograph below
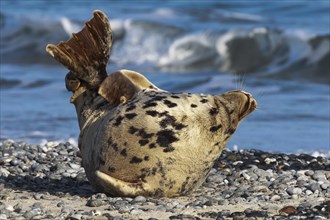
168, 120
231, 131
170, 104
152, 145
115, 146
165, 138
130, 116
151, 87
142, 133
184, 185
231, 111
143, 142
154, 171
132, 130
158, 98
164, 113
111, 169
123, 152
149, 104
193, 106
130, 108
152, 113
213, 111
227, 137
215, 128
175, 97
146, 158
204, 101
118, 120
179, 126
168, 149
158, 193
136, 160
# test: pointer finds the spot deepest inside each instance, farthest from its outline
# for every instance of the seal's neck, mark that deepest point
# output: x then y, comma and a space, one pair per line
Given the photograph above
89, 104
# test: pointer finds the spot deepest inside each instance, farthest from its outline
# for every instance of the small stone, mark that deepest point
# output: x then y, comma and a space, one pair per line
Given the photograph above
139, 199
74, 166
208, 203
309, 173
18, 207
124, 209
308, 192
37, 196
325, 186
275, 198
292, 191
14, 162
270, 160
66, 209
28, 215
289, 210
95, 203
136, 211
314, 186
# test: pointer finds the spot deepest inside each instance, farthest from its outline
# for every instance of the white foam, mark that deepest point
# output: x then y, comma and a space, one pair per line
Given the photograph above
68, 26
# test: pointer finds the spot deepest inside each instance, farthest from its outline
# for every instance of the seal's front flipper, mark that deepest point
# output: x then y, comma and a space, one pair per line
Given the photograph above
86, 54
122, 85
118, 187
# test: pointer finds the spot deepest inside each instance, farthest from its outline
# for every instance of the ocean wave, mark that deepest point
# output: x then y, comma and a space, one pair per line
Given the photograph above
258, 50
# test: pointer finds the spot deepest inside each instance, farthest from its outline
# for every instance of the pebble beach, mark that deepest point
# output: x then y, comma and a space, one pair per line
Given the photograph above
47, 182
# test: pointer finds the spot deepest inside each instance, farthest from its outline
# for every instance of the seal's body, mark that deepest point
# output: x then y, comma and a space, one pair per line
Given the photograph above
135, 138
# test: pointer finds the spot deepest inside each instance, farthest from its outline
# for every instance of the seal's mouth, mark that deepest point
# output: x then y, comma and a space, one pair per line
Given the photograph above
249, 106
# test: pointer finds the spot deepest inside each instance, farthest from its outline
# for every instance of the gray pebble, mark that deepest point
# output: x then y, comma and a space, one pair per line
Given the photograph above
95, 203
325, 185
139, 199
67, 209
314, 186
136, 211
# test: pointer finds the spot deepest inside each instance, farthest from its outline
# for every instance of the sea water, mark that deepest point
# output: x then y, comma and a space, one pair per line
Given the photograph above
277, 50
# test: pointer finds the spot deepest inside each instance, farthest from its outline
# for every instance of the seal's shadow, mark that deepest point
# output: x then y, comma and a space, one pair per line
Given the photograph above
56, 187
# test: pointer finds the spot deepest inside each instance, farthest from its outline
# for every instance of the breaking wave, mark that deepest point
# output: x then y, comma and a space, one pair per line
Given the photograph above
256, 50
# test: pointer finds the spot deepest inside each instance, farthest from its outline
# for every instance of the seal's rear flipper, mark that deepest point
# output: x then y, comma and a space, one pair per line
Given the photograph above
122, 85
121, 188
86, 54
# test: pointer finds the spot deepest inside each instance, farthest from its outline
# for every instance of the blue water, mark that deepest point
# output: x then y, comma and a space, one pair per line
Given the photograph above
277, 50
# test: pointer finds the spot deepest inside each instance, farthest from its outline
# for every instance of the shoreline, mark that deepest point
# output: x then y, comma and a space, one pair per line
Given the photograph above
47, 181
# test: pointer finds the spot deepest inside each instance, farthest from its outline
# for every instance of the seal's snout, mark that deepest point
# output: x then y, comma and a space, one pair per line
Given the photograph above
242, 102
248, 104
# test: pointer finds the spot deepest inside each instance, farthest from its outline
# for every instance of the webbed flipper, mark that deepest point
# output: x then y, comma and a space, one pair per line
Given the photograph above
86, 53
118, 187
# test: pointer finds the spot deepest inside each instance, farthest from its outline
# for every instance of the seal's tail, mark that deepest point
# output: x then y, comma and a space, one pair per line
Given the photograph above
86, 53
